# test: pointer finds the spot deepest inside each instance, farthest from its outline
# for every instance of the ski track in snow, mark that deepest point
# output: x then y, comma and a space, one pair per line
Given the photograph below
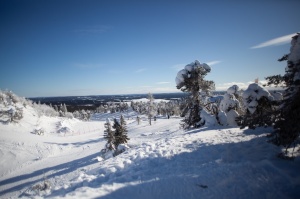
163, 161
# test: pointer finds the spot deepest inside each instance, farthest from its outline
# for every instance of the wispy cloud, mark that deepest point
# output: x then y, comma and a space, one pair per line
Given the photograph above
162, 82
213, 63
275, 42
94, 29
140, 70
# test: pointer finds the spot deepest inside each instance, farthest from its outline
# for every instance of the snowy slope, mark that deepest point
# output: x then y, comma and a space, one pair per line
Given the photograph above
163, 161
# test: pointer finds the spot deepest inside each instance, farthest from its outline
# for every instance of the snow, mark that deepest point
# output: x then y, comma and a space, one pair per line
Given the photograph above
294, 55
233, 89
147, 100
186, 72
207, 119
160, 161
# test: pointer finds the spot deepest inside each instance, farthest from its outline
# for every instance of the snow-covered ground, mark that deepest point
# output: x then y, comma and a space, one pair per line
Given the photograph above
163, 161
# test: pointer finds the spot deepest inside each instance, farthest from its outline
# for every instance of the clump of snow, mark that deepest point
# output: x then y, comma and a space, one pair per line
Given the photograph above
277, 95
186, 72
180, 76
222, 118
233, 89
294, 55
207, 119
231, 117
229, 102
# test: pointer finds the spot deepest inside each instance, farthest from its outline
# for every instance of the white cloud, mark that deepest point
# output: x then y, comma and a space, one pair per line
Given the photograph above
213, 63
162, 82
225, 86
275, 42
140, 70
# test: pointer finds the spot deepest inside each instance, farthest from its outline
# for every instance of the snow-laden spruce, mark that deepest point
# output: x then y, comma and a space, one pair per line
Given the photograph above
253, 94
259, 107
191, 80
287, 117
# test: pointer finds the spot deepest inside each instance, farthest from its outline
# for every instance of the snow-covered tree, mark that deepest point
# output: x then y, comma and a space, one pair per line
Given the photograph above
109, 136
191, 80
258, 103
11, 106
287, 123
151, 107
229, 107
116, 136
120, 131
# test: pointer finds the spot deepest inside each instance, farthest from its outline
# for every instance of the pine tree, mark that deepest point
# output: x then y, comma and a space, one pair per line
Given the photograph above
287, 117
120, 132
109, 135
191, 80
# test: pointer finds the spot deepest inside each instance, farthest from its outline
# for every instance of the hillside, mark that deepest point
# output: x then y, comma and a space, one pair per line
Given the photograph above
163, 161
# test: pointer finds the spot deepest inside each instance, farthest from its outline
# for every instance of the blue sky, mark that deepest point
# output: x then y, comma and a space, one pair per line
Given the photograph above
65, 48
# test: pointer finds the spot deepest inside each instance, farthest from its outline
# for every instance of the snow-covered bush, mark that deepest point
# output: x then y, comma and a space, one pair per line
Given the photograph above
230, 105
258, 103
38, 131
43, 109
191, 80
11, 107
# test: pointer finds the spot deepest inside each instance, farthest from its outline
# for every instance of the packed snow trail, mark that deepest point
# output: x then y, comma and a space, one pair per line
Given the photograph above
163, 161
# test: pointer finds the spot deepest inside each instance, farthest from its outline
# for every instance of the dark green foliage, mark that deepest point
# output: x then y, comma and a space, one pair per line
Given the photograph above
288, 124
287, 118
109, 135
115, 135
120, 132
262, 117
274, 80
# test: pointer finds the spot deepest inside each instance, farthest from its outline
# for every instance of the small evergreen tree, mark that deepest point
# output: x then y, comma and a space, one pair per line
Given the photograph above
191, 80
109, 135
120, 134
